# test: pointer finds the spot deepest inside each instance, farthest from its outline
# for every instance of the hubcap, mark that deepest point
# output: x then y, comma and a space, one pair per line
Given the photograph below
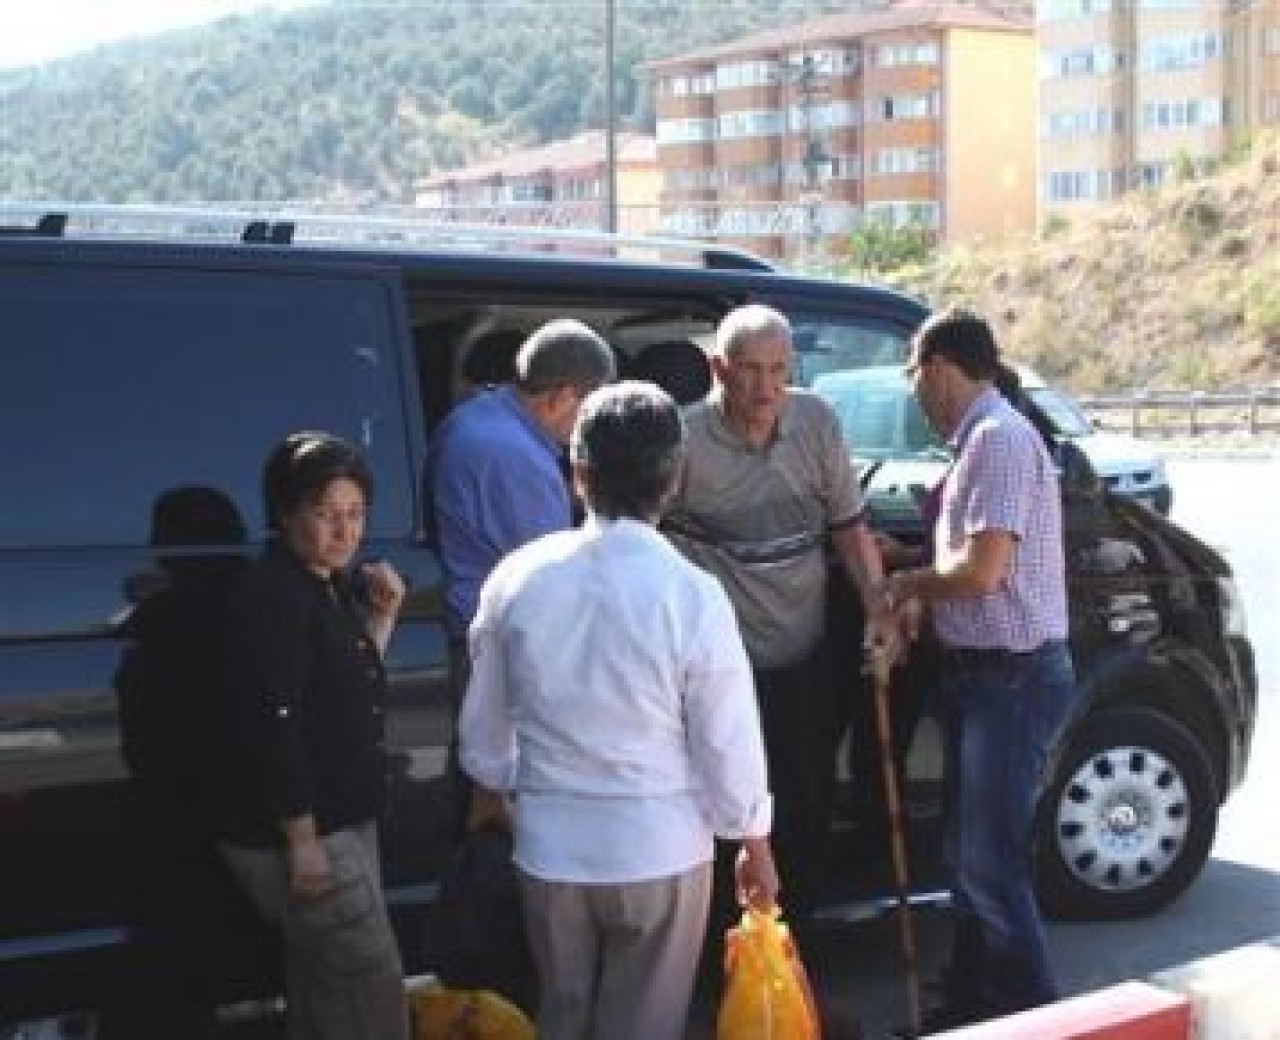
1123, 819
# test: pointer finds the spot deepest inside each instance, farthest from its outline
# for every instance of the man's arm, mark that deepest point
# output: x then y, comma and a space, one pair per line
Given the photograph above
858, 552
979, 569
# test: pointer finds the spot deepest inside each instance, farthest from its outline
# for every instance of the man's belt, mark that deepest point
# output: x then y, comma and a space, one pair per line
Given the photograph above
980, 656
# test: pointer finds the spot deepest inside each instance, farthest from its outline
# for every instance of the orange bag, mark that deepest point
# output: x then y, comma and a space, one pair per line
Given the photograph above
440, 1013
766, 994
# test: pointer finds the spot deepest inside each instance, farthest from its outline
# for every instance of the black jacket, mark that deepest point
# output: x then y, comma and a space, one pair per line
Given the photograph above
301, 715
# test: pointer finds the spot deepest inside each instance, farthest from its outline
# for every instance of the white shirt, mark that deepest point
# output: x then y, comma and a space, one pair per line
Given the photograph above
611, 692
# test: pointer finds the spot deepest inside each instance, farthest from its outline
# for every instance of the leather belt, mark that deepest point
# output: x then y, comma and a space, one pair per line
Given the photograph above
978, 656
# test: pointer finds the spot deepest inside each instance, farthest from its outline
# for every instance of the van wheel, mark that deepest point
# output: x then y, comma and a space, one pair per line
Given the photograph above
1129, 818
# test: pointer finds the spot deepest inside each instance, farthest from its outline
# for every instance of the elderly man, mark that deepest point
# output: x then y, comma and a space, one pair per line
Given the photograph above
611, 693
767, 487
998, 601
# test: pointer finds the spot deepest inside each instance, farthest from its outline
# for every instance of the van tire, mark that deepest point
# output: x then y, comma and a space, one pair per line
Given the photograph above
1128, 820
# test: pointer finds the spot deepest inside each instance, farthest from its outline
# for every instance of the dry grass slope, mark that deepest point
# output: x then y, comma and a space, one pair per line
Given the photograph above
1175, 289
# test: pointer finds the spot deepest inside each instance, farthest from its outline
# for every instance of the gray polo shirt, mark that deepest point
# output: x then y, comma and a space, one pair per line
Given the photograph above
758, 518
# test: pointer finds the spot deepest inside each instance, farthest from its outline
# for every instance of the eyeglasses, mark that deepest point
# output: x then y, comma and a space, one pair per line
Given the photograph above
912, 368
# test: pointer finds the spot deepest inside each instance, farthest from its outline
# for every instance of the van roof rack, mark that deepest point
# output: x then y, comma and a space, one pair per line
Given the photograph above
319, 226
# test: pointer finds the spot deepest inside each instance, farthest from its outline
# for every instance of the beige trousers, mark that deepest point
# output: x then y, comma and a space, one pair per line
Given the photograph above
343, 976
616, 961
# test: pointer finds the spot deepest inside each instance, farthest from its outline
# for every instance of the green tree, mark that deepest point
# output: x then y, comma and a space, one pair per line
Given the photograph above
879, 246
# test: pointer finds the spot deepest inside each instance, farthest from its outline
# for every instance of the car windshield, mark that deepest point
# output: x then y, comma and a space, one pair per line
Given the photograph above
878, 414
1062, 412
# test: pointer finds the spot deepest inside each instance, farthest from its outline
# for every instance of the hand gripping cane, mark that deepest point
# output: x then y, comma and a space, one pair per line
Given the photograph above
880, 668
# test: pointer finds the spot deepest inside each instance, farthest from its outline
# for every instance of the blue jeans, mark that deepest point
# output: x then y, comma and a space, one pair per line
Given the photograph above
1004, 715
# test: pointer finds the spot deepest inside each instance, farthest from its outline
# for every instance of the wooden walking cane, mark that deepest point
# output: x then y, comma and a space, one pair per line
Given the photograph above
880, 667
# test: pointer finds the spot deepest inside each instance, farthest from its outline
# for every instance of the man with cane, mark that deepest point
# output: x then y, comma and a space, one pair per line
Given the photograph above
997, 596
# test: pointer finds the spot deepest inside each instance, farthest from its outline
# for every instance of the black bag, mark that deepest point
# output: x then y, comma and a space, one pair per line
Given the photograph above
479, 922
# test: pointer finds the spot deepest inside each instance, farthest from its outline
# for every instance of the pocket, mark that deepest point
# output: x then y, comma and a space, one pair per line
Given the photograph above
345, 930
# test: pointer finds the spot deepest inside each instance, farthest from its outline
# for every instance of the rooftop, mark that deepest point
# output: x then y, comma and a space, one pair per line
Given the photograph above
886, 16
580, 153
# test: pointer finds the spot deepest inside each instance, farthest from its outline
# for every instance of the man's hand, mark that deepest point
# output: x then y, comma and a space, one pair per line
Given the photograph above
489, 809
310, 872
755, 876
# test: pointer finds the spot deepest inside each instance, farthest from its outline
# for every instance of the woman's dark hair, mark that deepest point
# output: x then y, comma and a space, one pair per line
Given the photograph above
301, 466
629, 438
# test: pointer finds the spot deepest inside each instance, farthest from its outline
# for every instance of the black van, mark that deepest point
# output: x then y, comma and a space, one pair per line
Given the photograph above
148, 359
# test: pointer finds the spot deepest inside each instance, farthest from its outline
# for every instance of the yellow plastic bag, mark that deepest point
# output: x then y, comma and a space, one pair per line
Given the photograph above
766, 994
440, 1013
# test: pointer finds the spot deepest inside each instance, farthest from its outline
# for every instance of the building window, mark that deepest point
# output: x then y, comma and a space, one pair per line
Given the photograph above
904, 160
746, 74
907, 106
1168, 53
1071, 186
919, 214
1068, 10
685, 131
759, 123
1087, 61
1192, 112
826, 116
891, 55
846, 167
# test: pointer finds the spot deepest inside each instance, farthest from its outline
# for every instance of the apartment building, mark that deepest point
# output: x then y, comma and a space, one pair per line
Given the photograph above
561, 184
909, 112
1133, 90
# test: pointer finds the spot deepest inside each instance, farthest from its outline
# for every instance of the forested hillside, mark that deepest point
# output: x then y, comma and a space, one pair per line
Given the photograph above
348, 99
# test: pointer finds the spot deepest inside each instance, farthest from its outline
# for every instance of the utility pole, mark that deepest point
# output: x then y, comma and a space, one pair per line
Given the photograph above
815, 154
611, 122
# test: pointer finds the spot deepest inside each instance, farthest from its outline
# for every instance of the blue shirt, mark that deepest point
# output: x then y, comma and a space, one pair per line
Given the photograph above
495, 482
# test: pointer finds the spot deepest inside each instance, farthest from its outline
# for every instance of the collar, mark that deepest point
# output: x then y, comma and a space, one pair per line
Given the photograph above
507, 398
984, 404
721, 429
278, 550
595, 525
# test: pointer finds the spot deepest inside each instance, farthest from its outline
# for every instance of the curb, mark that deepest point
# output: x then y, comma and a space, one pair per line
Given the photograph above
1233, 995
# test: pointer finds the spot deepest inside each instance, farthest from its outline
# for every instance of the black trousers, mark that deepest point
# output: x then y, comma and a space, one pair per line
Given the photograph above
802, 714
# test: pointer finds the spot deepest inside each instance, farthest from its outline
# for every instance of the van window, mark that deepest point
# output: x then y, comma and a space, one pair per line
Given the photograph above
119, 385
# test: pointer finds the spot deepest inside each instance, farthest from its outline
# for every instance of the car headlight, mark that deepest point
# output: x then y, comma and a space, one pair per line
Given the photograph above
1232, 607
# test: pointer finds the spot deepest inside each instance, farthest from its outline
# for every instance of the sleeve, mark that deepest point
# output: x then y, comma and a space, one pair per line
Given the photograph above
841, 491
525, 501
271, 642
999, 491
726, 745
486, 729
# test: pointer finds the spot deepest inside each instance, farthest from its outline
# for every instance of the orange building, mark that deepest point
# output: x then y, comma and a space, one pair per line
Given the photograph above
562, 184
910, 112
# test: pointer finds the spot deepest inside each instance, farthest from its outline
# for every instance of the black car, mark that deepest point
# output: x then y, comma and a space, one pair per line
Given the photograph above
148, 359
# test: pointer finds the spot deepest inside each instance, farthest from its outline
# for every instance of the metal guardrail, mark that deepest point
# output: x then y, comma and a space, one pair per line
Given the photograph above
1169, 413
